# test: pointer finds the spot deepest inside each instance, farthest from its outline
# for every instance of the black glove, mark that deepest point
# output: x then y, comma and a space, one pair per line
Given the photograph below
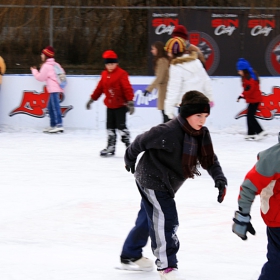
239, 97
130, 107
130, 168
145, 92
242, 225
222, 186
89, 103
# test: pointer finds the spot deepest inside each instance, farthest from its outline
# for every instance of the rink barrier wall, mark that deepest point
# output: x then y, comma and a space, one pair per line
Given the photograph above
23, 99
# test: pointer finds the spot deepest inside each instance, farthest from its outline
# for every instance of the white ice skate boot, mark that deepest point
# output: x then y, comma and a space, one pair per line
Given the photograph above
250, 137
56, 129
261, 135
109, 151
170, 274
47, 129
143, 264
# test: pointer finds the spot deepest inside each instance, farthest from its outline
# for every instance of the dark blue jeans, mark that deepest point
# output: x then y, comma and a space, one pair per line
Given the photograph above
54, 110
137, 237
158, 219
271, 269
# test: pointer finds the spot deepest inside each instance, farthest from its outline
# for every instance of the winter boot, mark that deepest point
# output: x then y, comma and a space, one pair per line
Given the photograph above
125, 136
170, 274
110, 150
142, 264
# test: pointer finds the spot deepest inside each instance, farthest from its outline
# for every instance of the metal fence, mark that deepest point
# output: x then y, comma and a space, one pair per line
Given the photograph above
79, 35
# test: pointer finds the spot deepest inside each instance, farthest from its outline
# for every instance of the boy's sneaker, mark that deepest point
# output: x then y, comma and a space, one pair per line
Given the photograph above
47, 129
170, 274
56, 129
142, 264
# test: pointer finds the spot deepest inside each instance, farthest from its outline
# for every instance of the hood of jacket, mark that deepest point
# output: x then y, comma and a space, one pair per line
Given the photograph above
50, 61
188, 63
185, 58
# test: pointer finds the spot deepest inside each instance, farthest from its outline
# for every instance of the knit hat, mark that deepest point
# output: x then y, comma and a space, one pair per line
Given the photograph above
194, 102
180, 31
175, 45
48, 52
110, 57
243, 64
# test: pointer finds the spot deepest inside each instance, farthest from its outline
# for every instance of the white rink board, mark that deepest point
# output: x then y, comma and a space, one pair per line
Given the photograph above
79, 88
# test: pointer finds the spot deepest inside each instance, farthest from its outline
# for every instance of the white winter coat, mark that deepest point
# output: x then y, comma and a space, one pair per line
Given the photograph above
185, 73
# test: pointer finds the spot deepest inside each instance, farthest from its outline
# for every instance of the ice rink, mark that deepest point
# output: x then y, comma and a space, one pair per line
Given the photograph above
65, 211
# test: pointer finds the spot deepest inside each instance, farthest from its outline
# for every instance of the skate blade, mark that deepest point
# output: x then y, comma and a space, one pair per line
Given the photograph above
107, 155
133, 267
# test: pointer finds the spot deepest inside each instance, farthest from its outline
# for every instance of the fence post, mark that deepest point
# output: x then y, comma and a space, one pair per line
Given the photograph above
51, 27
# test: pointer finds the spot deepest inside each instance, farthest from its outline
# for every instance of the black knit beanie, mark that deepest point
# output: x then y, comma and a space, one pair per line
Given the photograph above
194, 102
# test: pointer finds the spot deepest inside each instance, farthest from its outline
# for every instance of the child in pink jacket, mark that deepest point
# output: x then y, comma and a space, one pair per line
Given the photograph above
47, 74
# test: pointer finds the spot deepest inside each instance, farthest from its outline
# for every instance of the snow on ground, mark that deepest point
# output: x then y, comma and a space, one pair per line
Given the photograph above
65, 211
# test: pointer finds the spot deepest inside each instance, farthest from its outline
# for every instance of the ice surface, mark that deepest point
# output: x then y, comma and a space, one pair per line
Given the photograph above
65, 211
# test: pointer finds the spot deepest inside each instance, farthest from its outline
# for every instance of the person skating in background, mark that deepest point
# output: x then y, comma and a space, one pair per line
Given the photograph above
47, 74
161, 68
264, 180
173, 152
114, 83
2, 68
181, 31
253, 96
186, 73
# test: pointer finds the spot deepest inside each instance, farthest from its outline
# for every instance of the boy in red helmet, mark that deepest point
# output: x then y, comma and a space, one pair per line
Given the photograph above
114, 83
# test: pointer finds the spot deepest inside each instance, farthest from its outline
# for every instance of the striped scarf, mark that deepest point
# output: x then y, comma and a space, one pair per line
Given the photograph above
197, 149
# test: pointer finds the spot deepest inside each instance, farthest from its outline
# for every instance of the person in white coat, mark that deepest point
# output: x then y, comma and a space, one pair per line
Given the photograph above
186, 73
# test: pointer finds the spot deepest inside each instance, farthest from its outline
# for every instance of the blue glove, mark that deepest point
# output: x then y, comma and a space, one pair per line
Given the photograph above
222, 187
130, 168
242, 224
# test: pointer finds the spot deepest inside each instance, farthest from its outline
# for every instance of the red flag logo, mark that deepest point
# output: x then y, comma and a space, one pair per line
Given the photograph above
35, 104
268, 108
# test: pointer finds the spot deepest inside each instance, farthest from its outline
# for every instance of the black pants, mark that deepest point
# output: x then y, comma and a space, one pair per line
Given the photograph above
252, 123
116, 119
271, 269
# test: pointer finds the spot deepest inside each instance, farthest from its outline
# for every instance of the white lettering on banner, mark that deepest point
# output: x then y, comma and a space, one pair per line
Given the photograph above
222, 29
224, 15
164, 29
141, 99
260, 16
258, 30
164, 15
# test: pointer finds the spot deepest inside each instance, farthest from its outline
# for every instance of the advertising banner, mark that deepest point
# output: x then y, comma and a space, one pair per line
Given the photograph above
223, 36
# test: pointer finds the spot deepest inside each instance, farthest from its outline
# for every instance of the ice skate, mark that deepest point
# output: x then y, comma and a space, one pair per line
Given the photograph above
56, 129
170, 274
261, 135
47, 129
142, 264
250, 137
109, 151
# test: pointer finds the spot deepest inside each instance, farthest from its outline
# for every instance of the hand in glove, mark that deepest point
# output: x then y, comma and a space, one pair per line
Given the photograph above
222, 186
242, 225
130, 168
239, 97
89, 103
130, 107
145, 92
